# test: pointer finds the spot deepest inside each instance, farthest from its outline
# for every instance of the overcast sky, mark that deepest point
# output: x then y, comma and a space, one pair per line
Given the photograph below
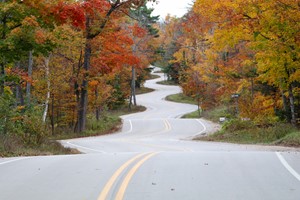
174, 7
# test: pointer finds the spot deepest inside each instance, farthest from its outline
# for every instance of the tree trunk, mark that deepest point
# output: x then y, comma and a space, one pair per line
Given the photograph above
28, 85
252, 89
199, 107
82, 108
97, 107
133, 85
285, 105
19, 92
52, 115
47, 59
2, 76
19, 95
89, 35
3, 22
292, 105
77, 92
132, 89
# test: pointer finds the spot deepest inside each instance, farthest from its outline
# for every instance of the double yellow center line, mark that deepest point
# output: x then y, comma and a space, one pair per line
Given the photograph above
143, 157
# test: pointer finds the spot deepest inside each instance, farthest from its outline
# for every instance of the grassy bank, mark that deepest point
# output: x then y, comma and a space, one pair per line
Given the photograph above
243, 132
143, 90
153, 76
246, 132
167, 82
181, 98
110, 121
11, 146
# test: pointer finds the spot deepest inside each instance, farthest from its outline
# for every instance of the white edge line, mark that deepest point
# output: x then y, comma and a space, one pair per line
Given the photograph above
287, 166
131, 127
75, 145
10, 161
167, 125
204, 127
95, 150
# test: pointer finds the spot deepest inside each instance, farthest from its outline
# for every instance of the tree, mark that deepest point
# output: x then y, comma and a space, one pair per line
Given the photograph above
141, 32
93, 28
245, 47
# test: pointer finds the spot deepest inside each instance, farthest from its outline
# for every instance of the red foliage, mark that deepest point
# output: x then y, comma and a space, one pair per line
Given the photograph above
137, 31
66, 12
116, 52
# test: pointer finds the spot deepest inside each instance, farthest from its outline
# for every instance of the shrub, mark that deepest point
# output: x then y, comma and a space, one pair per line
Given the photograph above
237, 125
34, 130
23, 124
7, 114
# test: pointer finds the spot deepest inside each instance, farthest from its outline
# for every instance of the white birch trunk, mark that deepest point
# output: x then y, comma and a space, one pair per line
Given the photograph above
47, 60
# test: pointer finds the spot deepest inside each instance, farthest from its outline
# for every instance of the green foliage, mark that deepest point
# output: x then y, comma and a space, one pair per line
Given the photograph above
7, 113
105, 123
144, 16
214, 114
23, 123
34, 131
237, 125
118, 94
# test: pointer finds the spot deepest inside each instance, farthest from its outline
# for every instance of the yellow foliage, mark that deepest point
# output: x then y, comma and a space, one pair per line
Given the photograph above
7, 90
93, 83
20, 108
30, 21
261, 109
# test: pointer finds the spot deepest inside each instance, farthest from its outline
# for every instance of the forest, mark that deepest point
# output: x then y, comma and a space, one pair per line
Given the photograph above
64, 64
242, 54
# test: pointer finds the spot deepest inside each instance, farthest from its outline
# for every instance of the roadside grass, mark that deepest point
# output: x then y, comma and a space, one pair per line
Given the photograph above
12, 147
167, 82
215, 114
181, 98
192, 115
292, 139
143, 90
153, 76
243, 132
106, 124
246, 132
212, 114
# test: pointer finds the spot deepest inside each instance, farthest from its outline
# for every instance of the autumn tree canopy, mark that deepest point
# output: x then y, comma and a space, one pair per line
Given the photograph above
69, 60
248, 49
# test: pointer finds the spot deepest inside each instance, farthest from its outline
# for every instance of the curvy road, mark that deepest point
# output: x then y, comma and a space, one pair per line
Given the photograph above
154, 158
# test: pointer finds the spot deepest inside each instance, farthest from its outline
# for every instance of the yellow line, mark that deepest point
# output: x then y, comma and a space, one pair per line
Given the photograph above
154, 133
124, 185
114, 177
